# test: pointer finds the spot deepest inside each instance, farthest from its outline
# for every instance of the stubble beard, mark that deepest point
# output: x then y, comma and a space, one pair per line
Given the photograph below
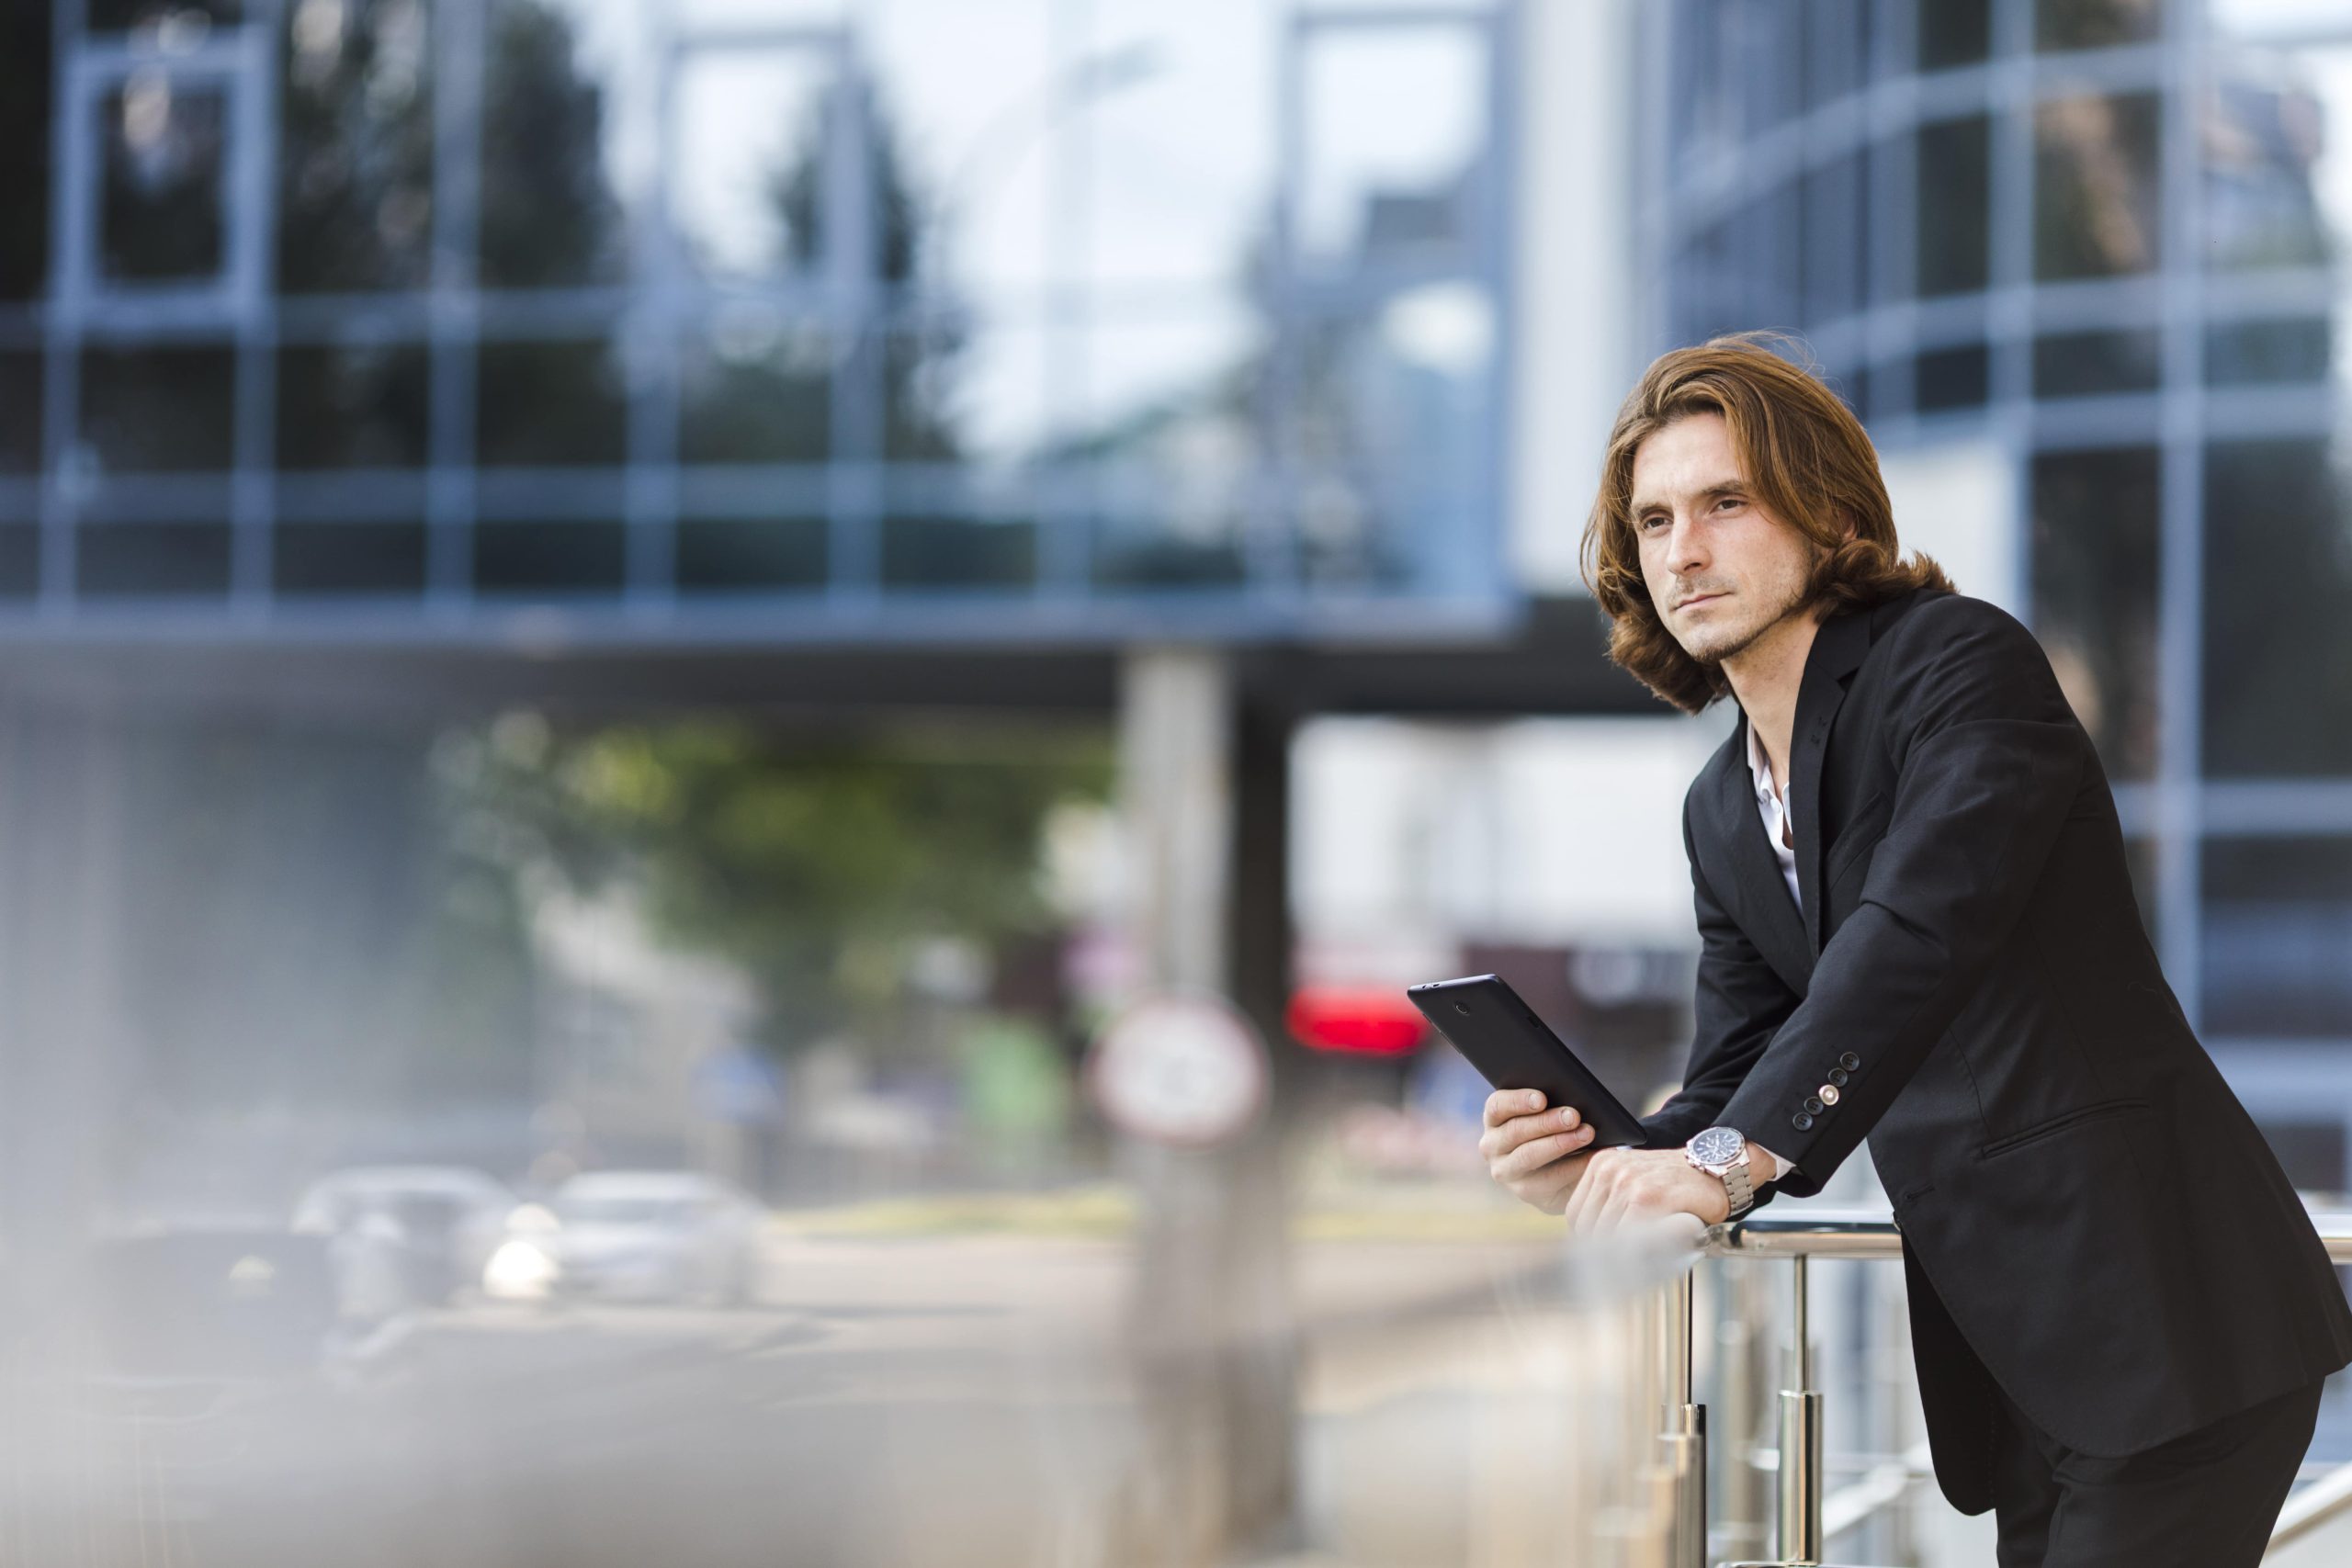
1792, 602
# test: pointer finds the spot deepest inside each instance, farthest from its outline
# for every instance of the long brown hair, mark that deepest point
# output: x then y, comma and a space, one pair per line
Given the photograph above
1811, 464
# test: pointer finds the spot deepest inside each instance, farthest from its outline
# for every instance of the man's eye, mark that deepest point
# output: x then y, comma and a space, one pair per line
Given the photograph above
1647, 521
1728, 501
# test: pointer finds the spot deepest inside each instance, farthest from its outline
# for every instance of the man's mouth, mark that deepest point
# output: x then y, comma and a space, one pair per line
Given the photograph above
1697, 599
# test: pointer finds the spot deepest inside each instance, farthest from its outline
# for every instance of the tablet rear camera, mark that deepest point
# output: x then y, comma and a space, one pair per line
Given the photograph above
1461, 1007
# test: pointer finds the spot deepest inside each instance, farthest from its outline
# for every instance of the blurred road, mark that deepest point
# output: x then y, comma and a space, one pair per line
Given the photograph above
948, 1400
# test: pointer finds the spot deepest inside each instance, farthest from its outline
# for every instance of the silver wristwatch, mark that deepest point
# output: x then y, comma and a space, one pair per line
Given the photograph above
1722, 1153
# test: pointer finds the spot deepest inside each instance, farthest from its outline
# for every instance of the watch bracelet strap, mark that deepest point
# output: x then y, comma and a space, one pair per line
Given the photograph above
1740, 1186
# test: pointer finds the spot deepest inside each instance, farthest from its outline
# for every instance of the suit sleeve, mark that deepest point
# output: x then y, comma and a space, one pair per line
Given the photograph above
1989, 762
1740, 1001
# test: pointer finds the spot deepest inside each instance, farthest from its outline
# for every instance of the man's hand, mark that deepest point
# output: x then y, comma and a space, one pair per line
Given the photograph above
1534, 1154
1624, 1185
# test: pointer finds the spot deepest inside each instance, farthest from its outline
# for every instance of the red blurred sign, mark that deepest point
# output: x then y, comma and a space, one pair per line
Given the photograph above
1360, 1021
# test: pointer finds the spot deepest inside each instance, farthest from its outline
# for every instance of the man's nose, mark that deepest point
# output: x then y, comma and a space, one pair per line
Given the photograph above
1685, 552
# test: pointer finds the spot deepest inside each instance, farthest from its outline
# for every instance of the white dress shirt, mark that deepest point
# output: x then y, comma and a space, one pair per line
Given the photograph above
1780, 831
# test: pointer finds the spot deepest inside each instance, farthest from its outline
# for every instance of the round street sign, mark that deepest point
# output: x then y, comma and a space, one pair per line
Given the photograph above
1178, 1069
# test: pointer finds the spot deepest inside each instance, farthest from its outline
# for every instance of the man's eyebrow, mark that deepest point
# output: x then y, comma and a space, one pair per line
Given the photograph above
1645, 504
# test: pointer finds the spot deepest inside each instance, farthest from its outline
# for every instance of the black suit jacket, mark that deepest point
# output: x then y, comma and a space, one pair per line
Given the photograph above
2088, 1215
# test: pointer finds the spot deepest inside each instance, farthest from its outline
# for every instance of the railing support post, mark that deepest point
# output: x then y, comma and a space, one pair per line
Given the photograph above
1801, 1480
1684, 1437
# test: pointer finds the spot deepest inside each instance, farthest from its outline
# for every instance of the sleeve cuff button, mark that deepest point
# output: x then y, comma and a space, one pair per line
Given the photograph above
1802, 1121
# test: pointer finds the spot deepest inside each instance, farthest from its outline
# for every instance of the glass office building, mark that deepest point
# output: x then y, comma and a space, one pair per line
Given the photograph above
2115, 238
839, 318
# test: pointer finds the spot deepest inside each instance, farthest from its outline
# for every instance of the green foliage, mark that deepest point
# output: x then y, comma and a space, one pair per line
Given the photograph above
820, 867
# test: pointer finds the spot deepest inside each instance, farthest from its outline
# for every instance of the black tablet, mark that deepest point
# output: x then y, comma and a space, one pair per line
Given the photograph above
1515, 1049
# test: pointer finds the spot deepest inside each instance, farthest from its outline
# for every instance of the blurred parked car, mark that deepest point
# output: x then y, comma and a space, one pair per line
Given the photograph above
642, 1236
406, 1234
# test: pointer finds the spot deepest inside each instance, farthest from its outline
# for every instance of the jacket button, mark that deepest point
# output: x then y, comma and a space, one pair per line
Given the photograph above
1828, 1093
1801, 1121
1813, 1102
1837, 1075
1851, 1062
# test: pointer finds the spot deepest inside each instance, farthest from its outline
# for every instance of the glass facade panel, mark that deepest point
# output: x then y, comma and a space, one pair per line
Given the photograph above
1181, 157
1952, 379
757, 387
923, 549
549, 217
2095, 186
549, 559
20, 412
2278, 575
2096, 519
2278, 170
550, 404
121, 559
1955, 162
1394, 130
2295, 349
355, 185
149, 409
747, 198
20, 560
1954, 32
348, 558
352, 406
27, 122
739, 555
2096, 24
160, 219
2277, 923
2080, 365
1833, 263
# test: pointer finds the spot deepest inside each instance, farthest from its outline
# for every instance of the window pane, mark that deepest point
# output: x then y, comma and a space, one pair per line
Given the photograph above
549, 217
1837, 48
354, 194
1179, 119
352, 406
1833, 260
2095, 186
2277, 924
159, 409
20, 560
751, 554
2095, 527
747, 194
1395, 137
2296, 350
20, 412
146, 16
979, 106
756, 387
1954, 195
923, 549
26, 84
162, 218
2277, 166
143, 559
556, 558
1954, 32
2082, 364
2096, 24
550, 403
1953, 378
1773, 39
2278, 644
349, 558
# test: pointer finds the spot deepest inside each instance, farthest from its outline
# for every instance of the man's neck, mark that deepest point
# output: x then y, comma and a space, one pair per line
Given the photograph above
1765, 676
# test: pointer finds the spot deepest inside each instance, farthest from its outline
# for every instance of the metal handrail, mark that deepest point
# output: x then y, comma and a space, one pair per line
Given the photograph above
1874, 1234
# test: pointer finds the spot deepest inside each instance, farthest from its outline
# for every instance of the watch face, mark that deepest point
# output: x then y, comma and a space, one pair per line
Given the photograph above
1718, 1145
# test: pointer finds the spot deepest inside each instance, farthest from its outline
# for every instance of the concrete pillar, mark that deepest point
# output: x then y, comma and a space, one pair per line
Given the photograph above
1204, 792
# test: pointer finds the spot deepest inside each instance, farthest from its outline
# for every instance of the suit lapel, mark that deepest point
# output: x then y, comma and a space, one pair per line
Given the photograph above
1838, 650
1764, 909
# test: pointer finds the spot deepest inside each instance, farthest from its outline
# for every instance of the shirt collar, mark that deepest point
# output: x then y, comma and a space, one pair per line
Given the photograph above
1758, 769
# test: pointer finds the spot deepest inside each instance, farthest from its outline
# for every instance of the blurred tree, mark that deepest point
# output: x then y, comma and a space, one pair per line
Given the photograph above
548, 219
823, 867
355, 196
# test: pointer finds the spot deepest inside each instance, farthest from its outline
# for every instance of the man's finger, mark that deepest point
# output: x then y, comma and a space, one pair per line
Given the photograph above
1534, 1155
1506, 1103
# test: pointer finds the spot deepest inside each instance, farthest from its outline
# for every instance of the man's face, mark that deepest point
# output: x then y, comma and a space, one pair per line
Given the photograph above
1721, 569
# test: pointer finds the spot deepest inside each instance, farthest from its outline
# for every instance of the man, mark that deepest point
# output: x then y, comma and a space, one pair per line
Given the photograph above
1915, 925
